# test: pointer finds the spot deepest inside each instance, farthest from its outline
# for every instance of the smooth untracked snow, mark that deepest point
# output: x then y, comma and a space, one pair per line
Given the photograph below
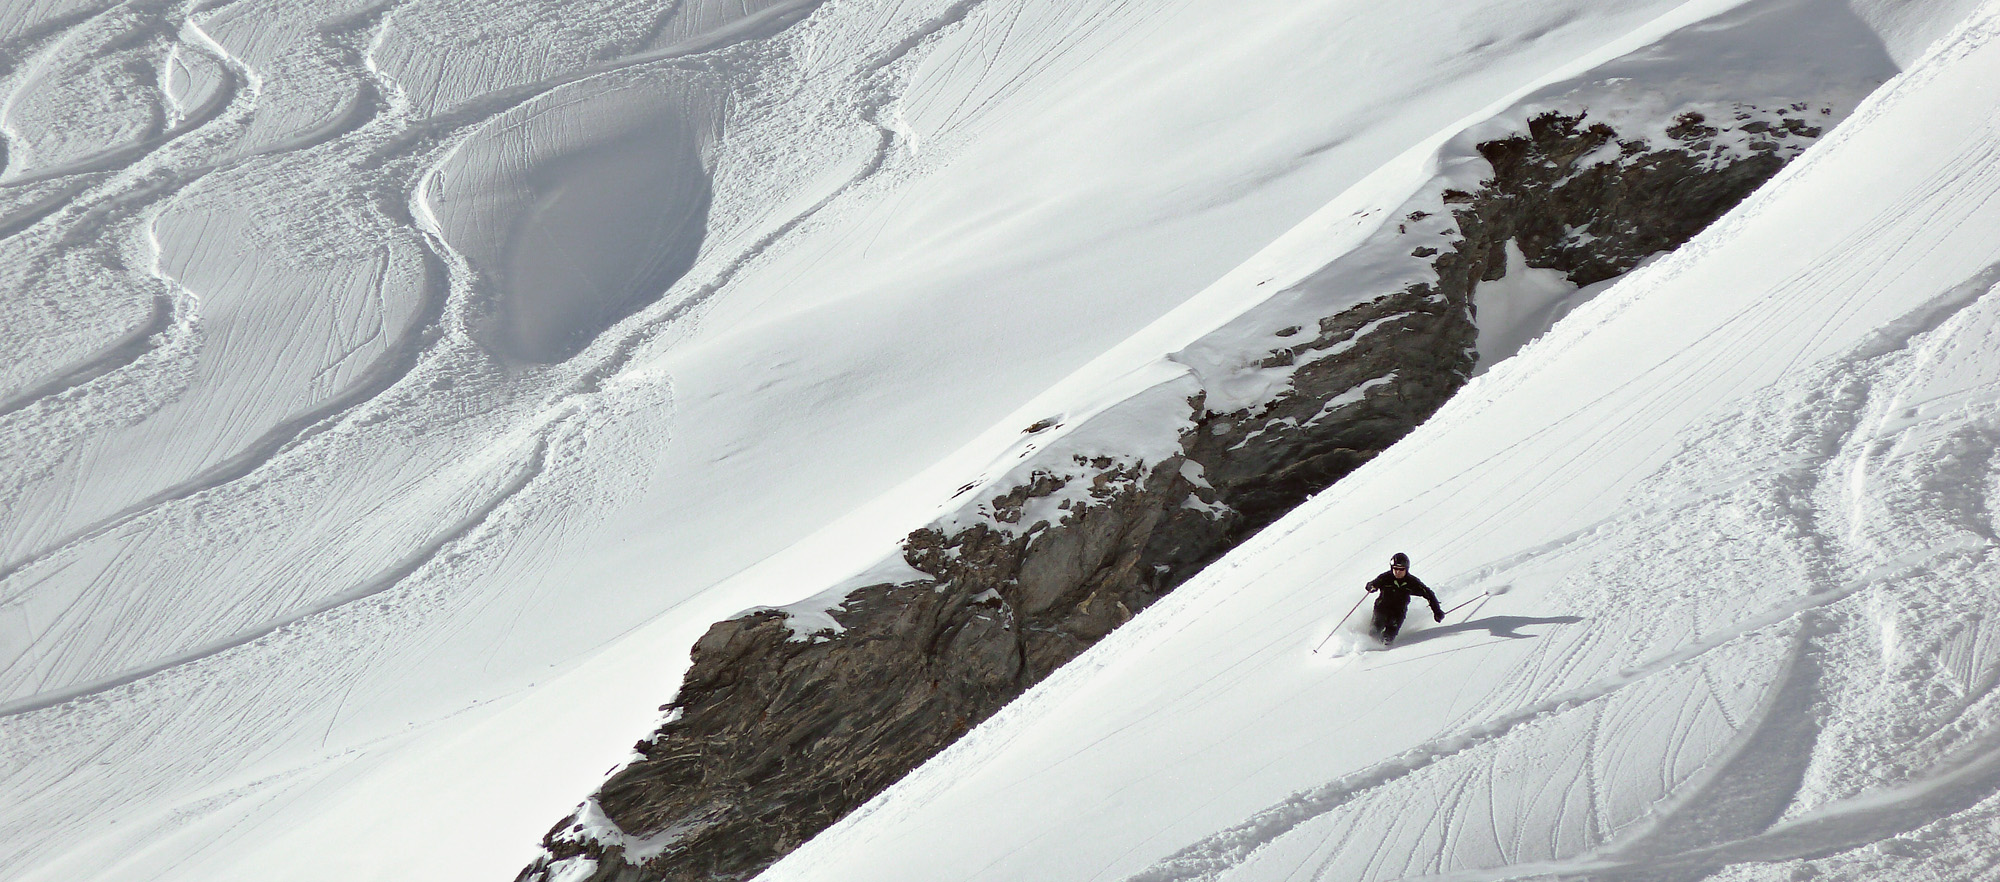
335, 544
1742, 507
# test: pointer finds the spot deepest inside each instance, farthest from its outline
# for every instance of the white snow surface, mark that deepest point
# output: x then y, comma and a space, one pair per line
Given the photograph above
390, 393
1516, 308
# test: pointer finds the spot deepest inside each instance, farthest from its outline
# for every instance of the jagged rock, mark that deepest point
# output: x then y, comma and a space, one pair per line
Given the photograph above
774, 738
1591, 221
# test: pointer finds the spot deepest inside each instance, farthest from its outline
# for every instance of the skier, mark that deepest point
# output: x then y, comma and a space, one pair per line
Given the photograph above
1395, 588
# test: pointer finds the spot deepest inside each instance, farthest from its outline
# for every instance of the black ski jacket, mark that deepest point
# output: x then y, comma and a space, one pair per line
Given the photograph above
1396, 592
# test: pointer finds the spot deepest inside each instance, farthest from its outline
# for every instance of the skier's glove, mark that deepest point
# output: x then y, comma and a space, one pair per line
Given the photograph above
1437, 614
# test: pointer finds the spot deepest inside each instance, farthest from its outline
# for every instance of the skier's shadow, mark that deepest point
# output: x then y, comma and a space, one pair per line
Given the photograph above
1498, 626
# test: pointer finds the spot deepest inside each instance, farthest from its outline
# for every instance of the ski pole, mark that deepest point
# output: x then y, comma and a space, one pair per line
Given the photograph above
1494, 591
1336, 627
1461, 606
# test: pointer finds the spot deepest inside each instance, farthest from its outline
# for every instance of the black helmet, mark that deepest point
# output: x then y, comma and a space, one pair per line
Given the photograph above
1399, 559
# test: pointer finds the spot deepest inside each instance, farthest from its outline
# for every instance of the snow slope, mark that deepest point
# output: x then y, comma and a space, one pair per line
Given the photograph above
1734, 523
336, 542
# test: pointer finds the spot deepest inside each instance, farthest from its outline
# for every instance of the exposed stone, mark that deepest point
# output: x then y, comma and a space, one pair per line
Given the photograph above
776, 737
1591, 221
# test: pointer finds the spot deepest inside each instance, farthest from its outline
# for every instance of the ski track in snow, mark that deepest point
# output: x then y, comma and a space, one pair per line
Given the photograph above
1833, 829
387, 579
378, 378
1213, 857
143, 192
392, 364
395, 363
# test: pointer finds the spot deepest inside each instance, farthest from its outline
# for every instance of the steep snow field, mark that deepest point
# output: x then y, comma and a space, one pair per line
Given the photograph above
1727, 542
391, 392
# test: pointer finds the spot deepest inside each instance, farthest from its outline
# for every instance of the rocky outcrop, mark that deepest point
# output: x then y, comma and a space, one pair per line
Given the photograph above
1573, 197
772, 737
776, 738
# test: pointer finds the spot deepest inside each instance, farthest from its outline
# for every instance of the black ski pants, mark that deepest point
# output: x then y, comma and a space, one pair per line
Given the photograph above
1389, 610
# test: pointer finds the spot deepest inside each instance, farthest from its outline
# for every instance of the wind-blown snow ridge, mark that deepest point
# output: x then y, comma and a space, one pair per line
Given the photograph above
391, 365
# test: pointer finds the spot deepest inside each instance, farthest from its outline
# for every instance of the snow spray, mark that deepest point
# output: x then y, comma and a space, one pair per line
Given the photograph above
1336, 626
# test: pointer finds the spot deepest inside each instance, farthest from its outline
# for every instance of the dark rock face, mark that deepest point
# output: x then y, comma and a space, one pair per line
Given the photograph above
777, 737
1592, 221
1597, 222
